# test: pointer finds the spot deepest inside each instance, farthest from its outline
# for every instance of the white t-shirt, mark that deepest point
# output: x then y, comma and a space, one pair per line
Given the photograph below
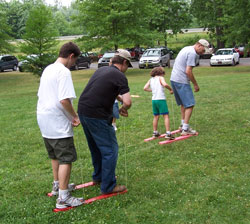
55, 85
186, 57
157, 89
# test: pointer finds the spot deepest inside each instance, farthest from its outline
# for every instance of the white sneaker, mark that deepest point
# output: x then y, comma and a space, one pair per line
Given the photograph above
189, 131
55, 188
70, 201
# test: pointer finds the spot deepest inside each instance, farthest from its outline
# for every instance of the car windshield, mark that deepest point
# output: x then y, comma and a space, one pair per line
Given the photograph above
108, 55
152, 53
223, 52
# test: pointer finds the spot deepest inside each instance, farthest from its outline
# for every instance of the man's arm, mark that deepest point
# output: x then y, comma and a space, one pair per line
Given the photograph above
69, 108
127, 102
163, 83
189, 72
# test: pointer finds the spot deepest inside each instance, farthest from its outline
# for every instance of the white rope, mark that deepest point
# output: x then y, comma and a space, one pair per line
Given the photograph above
194, 118
172, 101
125, 149
82, 162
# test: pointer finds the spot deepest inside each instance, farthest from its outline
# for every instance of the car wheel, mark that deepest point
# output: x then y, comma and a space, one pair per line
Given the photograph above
14, 68
87, 65
76, 67
238, 61
233, 63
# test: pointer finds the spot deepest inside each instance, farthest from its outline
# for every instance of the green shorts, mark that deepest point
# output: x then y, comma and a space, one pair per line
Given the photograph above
62, 149
160, 107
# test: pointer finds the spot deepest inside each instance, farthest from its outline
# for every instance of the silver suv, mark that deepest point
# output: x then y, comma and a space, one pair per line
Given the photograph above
154, 57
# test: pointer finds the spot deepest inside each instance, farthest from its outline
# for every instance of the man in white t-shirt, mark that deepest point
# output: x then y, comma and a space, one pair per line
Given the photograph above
181, 76
56, 118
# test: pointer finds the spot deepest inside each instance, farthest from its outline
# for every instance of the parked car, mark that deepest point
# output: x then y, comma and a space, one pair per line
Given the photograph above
82, 61
8, 62
225, 56
136, 53
105, 59
241, 50
35, 62
154, 57
93, 56
22, 65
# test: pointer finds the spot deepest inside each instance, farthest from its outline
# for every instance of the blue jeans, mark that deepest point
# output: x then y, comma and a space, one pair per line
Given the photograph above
104, 150
183, 94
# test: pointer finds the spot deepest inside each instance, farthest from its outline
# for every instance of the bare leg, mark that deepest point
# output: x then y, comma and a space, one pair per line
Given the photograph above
188, 113
166, 121
182, 112
55, 168
155, 122
64, 176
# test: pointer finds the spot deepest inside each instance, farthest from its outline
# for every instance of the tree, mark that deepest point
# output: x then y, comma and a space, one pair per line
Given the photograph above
5, 46
39, 37
112, 23
170, 14
211, 14
64, 23
237, 18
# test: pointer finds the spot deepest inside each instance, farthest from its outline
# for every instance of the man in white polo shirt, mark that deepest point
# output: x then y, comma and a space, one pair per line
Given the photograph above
56, 118
181, 76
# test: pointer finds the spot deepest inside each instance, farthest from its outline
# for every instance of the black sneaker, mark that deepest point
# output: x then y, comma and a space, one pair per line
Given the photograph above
169, 137
156, 134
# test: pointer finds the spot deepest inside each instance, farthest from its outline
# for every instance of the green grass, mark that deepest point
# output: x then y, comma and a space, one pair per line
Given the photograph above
204, 179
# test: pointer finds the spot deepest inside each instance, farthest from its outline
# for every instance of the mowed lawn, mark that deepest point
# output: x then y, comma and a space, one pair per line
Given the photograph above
204, 179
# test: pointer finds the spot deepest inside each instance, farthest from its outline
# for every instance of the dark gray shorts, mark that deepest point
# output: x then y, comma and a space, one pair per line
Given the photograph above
62, 149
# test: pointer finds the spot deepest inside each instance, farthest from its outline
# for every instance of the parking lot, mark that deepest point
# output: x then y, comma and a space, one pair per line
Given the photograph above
203, 63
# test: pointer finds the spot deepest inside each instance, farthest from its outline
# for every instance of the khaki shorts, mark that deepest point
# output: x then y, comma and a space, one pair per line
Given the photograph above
62, 149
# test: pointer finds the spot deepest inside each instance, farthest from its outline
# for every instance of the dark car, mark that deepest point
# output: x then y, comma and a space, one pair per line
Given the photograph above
136, 52
8, 62
83, 61
93, 56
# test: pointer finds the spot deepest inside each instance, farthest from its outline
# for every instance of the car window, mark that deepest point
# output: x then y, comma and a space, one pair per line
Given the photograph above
108, 55
84, 55
224, 52
4, 59
152, 53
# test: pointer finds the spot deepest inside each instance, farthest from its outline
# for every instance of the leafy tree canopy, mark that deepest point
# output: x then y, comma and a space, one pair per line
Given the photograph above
39, 37
114, 23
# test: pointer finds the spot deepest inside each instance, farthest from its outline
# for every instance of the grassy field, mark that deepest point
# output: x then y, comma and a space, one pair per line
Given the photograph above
204, 179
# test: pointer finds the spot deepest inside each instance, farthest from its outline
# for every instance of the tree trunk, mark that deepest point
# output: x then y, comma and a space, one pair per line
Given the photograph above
219, 33
165, 38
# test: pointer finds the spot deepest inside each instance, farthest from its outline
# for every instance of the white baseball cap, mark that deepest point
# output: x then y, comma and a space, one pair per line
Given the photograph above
124, 54
205, 44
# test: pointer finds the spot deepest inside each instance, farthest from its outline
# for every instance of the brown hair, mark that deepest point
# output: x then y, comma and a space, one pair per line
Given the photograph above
119, 60
157, 71
68, 49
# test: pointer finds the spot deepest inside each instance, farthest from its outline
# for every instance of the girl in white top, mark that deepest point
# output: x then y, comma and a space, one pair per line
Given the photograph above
156, 85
